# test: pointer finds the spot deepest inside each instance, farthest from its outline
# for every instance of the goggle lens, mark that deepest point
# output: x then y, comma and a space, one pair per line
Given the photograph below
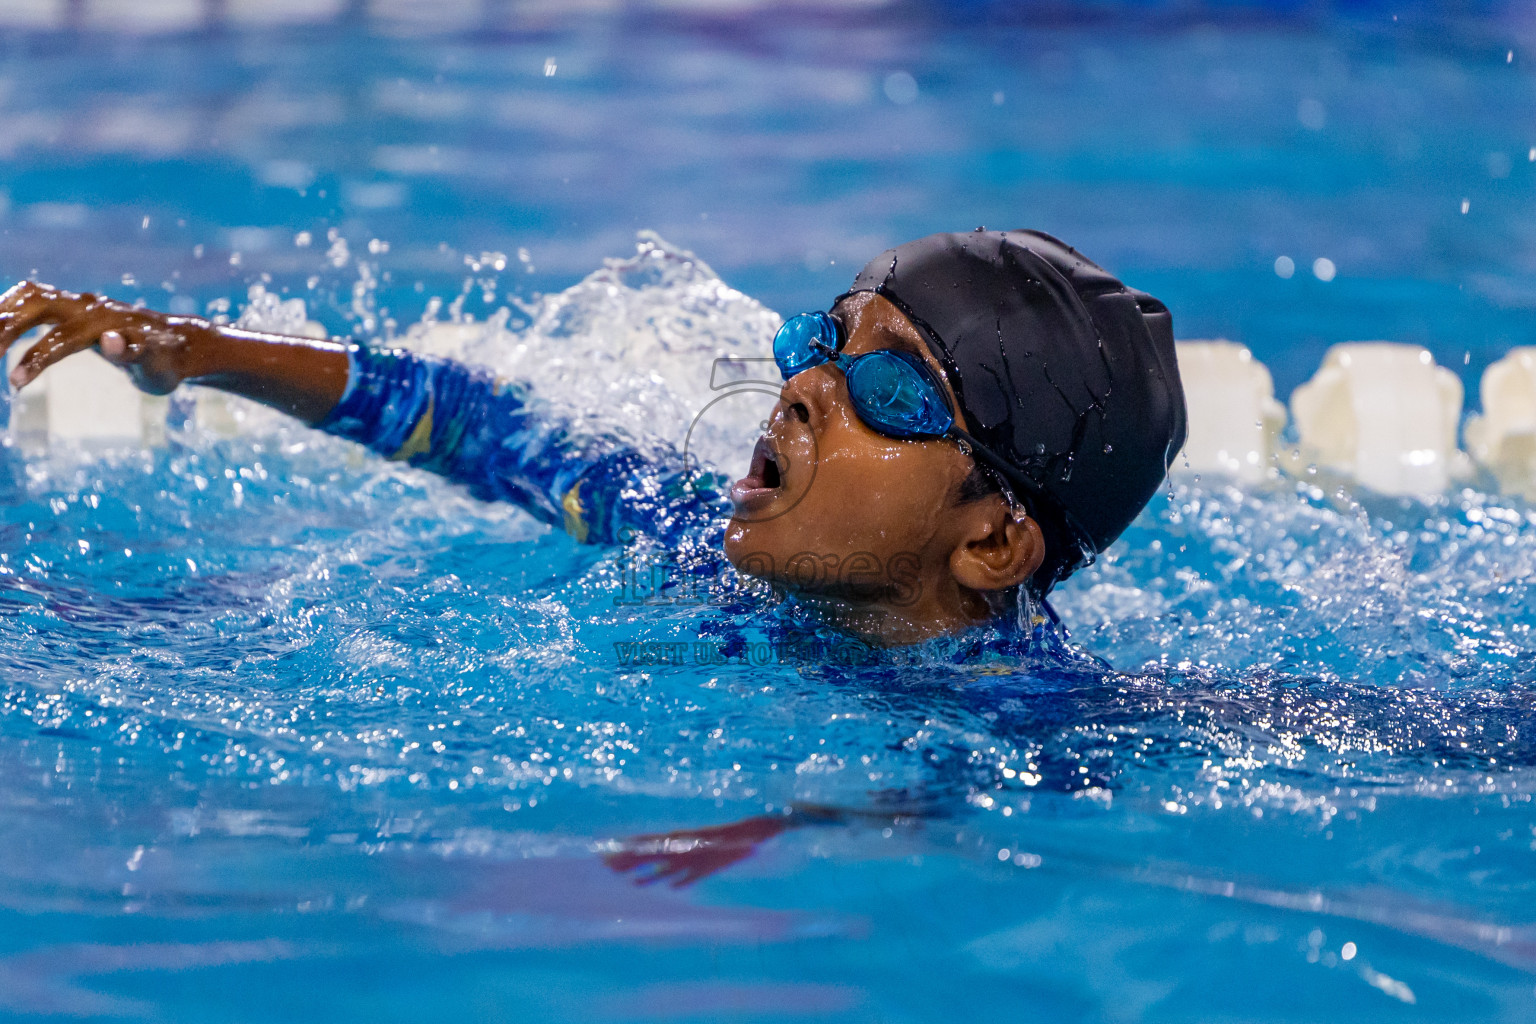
892, 391
896, 395
805, 340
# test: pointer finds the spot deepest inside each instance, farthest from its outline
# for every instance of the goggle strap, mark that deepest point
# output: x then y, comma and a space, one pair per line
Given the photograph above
1037, 501
931, 336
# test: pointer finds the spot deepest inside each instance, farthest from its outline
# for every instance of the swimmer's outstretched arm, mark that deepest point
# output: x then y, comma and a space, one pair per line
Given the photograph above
454, 420
298, 376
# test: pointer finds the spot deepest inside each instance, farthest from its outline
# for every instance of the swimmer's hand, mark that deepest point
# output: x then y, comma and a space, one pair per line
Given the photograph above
687, 855
152, 347
158, 351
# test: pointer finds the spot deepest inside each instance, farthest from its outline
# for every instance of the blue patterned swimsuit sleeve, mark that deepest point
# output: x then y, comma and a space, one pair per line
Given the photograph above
470, 427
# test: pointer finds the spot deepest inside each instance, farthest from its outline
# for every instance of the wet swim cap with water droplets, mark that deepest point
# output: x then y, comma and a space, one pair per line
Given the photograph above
1059, 368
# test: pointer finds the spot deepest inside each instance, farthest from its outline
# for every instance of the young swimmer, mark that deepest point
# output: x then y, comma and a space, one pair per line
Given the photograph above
979, 413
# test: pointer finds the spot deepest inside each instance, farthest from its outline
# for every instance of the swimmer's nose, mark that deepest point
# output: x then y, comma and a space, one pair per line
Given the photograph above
811, 396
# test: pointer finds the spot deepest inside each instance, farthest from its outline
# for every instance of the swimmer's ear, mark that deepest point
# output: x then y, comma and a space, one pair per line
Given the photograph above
997, 547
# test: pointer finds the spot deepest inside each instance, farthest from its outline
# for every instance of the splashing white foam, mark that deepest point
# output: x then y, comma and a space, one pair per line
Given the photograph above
635, 348
274, 314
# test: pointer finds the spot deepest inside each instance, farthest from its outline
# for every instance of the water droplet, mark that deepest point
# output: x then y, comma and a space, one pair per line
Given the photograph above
900, 88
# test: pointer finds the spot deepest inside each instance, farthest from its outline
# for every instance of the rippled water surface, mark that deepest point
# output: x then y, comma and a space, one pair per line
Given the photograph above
288, 732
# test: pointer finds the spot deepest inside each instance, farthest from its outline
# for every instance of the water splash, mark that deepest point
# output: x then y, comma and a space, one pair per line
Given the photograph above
1292, 580
633, 348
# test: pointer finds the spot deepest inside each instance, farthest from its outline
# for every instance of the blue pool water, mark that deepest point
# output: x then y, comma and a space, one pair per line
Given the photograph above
288, 733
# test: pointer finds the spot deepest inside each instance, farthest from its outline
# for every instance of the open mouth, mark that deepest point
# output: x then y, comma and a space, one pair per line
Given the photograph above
763, 479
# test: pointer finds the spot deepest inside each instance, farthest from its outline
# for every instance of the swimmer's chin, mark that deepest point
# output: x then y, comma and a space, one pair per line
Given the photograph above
751, 553
737, 548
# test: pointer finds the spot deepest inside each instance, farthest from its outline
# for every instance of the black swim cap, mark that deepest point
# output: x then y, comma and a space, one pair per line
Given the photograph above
1062, 371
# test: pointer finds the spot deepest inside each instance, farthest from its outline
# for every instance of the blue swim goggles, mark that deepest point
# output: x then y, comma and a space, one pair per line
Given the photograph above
893, 392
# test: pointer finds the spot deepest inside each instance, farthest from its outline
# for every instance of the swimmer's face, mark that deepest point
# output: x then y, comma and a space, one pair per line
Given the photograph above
832, 507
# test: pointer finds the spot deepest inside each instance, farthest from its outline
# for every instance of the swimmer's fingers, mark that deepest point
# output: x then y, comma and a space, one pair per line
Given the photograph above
76, 335
117, 350
28, 306
24, 294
